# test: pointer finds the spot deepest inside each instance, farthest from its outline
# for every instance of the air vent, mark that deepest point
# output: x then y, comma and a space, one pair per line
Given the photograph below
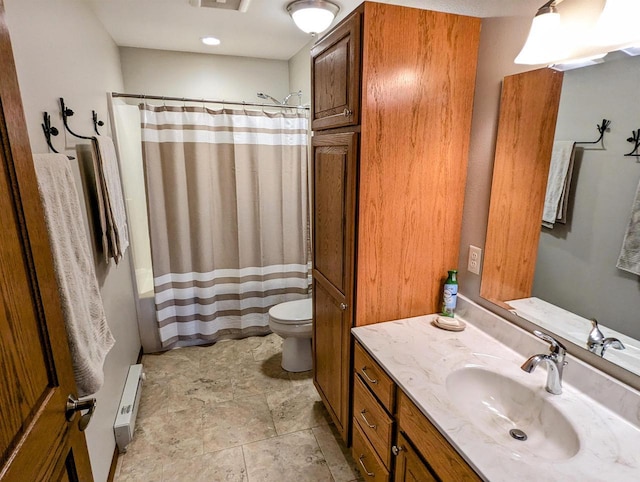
238, 5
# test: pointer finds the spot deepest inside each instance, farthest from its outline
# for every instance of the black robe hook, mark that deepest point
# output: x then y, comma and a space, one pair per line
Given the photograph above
602, 128
96, 122
634, 139
49, 131
66, 112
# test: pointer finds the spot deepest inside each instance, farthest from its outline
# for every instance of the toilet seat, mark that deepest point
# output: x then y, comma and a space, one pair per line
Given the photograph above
292, 312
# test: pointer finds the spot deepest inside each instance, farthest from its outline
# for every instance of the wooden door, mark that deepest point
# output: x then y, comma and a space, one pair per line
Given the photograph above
335, 76
334, 186
36, 441
409, 466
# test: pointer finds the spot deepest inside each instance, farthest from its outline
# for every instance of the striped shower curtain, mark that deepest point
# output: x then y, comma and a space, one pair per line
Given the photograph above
227, 192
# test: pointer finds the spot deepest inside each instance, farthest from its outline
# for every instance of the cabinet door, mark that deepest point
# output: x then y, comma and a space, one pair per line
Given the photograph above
335, 74
331, 340
409, 467
334, 185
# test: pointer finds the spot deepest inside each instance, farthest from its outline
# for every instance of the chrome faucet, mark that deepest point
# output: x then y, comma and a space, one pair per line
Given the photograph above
598, 344
555, 363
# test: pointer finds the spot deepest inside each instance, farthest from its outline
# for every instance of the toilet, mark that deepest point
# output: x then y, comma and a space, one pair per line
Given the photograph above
292, 321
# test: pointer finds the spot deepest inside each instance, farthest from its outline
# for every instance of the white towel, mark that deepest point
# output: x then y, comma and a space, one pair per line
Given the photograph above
558, 182
629, 259
109, 178
87, 331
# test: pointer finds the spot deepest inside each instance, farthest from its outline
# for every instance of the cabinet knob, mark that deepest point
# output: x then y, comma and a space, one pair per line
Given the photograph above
396, 450
343, 306
347, 112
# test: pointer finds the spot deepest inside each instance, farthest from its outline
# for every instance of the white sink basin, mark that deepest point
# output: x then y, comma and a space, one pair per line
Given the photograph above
497, 404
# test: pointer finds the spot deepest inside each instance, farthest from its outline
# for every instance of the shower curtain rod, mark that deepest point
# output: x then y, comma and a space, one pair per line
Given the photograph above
206, 101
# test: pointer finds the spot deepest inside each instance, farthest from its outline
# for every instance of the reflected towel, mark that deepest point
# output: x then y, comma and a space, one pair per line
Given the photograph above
558, 182
87, 331
629, 259
106, 162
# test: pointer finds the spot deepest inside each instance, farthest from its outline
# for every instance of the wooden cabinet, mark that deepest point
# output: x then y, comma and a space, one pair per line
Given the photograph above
335, 75
373, 422
389, 175
440, 456
420, 452
409, 466
334, 177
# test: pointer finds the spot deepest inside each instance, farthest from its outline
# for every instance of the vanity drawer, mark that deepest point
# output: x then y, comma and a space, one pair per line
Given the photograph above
369, 464
374, 377
373, 420
439, 454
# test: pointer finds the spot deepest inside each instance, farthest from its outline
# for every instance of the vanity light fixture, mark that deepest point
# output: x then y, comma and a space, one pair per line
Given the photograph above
210, 40
545, 43
579, 63
313, 16
618, 24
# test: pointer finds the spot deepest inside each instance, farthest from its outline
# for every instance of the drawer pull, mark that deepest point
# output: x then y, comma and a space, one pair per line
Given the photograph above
362, 414
343, 306
370, 474
396, 450
371, 380
347, 113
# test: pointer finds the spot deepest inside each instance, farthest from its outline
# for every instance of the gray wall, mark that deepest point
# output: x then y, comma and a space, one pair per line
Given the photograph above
218, 77
576, 266
61, 50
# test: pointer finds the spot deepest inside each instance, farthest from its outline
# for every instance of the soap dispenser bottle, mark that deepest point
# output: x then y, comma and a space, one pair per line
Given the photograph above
450, 294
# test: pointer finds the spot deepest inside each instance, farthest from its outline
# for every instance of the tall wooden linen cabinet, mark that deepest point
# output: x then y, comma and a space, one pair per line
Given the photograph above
392, 101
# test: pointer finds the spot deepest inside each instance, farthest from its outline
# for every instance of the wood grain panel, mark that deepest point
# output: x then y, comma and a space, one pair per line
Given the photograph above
373, 376
409, 467
528, 113
335, 76
368, 463
334, 160
417, 96
441, 457
330, 354
374, 421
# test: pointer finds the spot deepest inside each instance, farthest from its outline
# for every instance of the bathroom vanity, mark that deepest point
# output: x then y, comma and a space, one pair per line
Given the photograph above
431, 404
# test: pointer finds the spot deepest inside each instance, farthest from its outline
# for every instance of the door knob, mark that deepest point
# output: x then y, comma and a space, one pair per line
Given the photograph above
74, 406
343, 306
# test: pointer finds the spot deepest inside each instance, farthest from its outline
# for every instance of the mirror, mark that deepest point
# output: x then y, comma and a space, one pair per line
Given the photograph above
559, 278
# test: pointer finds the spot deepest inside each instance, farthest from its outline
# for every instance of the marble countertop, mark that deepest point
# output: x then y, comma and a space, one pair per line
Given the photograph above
419, 357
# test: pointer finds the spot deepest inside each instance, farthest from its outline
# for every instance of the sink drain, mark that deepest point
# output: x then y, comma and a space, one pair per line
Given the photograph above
518, 434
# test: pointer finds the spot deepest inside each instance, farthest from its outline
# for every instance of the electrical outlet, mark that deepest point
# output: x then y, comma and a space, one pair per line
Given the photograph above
475, 256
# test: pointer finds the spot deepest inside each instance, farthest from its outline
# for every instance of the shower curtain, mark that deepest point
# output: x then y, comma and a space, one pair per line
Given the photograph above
227, 197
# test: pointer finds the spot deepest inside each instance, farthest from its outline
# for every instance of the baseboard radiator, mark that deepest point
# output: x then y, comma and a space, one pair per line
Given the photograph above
128, 410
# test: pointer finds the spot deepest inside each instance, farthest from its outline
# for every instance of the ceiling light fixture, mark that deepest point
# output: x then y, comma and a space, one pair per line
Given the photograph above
313, 16
618, 24
210, 41
546, 43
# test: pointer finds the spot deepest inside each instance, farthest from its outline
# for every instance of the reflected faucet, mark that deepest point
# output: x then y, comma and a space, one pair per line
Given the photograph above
598, 344
555, 363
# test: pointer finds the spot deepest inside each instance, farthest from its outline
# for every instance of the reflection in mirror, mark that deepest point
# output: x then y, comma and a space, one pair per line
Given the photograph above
572, 274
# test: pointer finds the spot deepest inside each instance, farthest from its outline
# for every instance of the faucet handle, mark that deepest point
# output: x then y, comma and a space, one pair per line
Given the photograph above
556, 347
596, 337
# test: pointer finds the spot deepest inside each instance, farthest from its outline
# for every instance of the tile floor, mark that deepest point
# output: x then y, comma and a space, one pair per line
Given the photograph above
228, 412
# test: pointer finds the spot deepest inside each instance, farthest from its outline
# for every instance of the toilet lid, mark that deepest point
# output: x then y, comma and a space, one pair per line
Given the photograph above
292, 311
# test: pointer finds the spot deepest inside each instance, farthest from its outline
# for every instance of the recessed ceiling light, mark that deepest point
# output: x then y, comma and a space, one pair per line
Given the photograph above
210, 41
